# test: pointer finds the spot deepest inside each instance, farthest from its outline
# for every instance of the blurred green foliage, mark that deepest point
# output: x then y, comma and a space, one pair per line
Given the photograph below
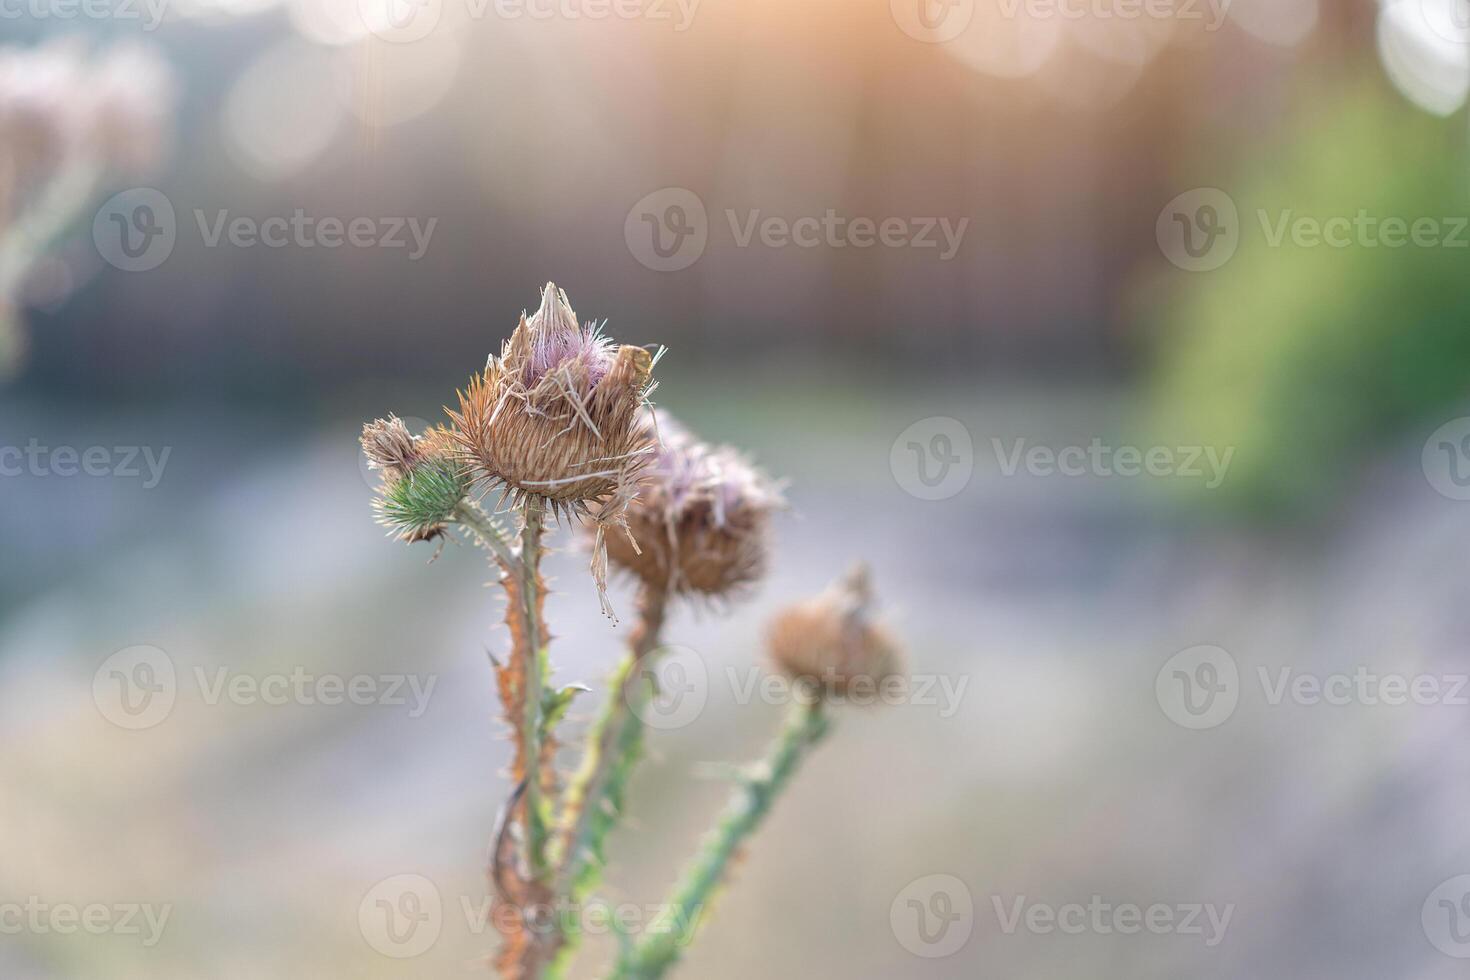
1306, 357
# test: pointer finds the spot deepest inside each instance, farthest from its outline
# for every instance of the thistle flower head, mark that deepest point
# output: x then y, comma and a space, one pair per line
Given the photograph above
831, 642
423, 481
553, 417
700, 522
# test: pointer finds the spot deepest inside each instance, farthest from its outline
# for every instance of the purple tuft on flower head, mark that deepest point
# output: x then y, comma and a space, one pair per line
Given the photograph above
557, 341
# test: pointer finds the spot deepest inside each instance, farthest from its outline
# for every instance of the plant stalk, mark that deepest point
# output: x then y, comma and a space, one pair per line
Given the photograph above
613, 745
594, 799
528, 591
651, 958
472, 516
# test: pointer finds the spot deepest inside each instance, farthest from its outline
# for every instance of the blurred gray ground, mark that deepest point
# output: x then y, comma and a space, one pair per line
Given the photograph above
1059, 778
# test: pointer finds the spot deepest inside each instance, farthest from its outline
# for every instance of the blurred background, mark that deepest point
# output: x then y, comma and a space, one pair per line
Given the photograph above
955, 268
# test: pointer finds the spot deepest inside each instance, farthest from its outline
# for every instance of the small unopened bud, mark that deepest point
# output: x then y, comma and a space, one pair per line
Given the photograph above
831, 643
390, 447
423, 481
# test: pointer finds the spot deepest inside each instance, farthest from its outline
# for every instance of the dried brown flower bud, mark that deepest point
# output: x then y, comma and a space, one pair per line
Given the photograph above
831, 643
700, 523
423, 480
554, 416
389, 446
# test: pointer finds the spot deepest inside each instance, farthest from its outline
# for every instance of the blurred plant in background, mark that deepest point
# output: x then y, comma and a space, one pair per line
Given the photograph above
70, 122
1303, 354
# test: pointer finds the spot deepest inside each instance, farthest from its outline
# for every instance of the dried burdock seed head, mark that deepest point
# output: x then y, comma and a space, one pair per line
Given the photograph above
390, 447
554, 417
423, 480
701, 521
830, 644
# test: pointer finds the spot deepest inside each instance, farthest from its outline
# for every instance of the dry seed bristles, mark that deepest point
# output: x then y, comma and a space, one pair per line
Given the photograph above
390, 447
831, 644
552, 418
700, 523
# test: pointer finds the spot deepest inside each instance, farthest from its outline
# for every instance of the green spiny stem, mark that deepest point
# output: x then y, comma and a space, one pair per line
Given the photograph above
594, 800
472, 516
748, 806
535, 636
